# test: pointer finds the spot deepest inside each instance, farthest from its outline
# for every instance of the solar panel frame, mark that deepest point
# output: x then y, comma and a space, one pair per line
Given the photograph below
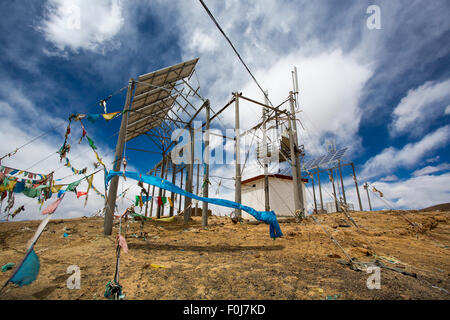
153, 97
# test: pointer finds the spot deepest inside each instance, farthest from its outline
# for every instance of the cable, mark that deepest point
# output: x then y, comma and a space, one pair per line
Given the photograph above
234, 49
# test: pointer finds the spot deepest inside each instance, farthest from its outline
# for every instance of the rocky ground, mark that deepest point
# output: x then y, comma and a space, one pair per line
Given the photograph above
239, 261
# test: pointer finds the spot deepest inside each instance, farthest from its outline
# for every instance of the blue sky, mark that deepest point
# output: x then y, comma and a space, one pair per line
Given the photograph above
383, 93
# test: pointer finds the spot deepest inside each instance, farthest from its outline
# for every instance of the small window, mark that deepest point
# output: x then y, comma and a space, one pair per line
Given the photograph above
254, 186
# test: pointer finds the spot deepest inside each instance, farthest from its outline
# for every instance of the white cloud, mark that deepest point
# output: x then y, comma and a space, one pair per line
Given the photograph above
431, 169
82, 24
420, 107
391, 158
392, 177
415, 193
447, 110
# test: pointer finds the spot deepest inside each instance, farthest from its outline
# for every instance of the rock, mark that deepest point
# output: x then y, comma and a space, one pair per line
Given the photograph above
334, 255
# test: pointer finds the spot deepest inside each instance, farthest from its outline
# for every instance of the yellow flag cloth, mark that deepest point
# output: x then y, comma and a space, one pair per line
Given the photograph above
9, 187
99, 159
56, 188
109, 116
170, 202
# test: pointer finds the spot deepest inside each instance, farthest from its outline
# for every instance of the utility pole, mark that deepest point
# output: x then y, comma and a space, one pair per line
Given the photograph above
237, 192
366, 186
265, 158
296, 153
206, 168
297, 204
112, 194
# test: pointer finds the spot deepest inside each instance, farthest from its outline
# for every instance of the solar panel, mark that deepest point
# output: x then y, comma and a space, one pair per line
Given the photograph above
327, 158
317, 161
324, 159
339, 154
153, 98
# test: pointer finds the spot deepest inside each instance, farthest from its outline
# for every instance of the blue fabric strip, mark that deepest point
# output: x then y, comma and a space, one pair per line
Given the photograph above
265, 216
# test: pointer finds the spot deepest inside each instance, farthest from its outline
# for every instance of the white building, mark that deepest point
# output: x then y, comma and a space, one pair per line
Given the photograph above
281, 197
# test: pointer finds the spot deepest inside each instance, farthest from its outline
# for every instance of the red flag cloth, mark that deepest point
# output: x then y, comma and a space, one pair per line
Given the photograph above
52, 207
160, 203
81, 193
123, 243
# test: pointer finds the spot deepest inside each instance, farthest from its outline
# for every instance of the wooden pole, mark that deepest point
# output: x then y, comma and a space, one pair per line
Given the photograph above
266, 160
172, 195
356, 186
237, 190
112, 193
206, 168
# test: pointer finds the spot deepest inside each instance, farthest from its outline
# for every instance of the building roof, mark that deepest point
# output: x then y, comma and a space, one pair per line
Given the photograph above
271, 175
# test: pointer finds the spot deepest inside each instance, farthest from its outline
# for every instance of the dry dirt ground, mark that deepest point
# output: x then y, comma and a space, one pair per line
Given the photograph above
238, 261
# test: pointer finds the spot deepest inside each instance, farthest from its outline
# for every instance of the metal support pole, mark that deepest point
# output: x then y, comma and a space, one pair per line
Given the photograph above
153, 198
356, 186
190, 172
342, 182
112, 194
266, 162
237, 192
196, 189
172, 195
314, 192
163, 166
334, 190
206, 172
295, 178
165, 178
181, 186
320, 190
146, 202
366, 186
296, 151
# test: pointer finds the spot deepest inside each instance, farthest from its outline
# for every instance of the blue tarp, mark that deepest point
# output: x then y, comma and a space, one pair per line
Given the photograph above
265, 216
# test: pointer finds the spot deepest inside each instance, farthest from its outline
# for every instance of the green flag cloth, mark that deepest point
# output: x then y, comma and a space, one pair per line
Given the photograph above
72, 187
91, 143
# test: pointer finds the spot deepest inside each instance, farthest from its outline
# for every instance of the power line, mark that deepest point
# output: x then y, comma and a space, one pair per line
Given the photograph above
234, 49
